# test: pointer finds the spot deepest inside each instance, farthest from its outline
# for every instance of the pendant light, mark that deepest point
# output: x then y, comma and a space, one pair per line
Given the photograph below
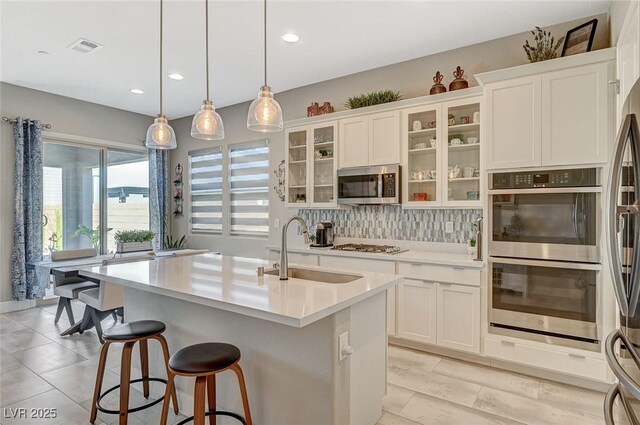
160, 135
265, 114
207, 123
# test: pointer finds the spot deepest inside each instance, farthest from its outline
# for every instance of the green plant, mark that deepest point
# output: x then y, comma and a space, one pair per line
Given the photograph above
472, 242
374, 98
545, 47
92, 234
170, 243
516, 224
124, 236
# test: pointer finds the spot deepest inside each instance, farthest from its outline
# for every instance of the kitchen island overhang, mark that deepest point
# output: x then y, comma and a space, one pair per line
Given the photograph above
288, 333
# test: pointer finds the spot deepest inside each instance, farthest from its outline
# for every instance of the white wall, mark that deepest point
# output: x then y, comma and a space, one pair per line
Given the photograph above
66, 115
413, 78
617, 14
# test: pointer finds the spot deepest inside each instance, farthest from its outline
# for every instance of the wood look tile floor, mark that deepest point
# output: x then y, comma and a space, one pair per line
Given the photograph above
40, 369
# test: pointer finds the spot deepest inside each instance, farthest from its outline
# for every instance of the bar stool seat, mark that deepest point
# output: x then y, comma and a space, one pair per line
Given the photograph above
129, 334
135, 330
203, 362
204, 358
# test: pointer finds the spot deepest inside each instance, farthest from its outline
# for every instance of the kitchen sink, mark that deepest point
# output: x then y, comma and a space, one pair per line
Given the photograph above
316, 275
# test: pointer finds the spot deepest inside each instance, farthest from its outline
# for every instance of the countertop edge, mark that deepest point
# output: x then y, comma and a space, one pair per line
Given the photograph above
244, 310
382, 257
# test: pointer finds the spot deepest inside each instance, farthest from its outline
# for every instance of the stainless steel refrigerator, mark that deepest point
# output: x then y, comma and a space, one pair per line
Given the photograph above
622, 403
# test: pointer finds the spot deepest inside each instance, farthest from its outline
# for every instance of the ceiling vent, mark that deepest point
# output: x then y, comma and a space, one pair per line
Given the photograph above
85, 46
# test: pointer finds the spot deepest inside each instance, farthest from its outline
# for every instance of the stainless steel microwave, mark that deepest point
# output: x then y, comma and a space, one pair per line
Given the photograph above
369, 185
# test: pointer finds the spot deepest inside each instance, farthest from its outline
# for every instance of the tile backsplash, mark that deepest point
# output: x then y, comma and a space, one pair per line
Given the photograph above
393, 222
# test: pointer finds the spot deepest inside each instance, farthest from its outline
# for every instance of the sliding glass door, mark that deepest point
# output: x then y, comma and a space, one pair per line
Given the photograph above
127, 193
88, 188
71, 197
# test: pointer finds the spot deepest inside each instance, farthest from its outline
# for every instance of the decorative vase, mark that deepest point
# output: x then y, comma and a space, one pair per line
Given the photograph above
459, 82
313, 109
438, 87
326, 108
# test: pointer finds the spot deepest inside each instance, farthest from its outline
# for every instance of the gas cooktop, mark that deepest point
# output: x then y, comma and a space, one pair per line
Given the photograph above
376, 249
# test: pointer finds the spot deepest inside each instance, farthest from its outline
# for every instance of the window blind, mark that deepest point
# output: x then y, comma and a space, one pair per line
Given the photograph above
249, 188
206, 182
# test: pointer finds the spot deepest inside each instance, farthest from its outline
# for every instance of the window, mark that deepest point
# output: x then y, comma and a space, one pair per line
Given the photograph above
242, 209
75, 203
249, 188
206, 190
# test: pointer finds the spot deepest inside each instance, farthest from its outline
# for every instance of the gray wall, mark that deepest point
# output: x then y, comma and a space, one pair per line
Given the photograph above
68, 116
412, 77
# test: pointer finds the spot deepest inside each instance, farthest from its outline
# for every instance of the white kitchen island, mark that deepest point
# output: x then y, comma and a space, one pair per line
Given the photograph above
288, 333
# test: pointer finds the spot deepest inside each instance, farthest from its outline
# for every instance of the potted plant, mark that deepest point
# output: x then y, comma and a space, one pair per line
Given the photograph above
134, 240
472, 249
374, 98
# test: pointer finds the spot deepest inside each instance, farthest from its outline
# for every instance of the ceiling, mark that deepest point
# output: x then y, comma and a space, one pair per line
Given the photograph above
336, 38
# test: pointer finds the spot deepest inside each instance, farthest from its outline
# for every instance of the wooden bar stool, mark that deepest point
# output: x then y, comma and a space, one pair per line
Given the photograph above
204, 361
128, 334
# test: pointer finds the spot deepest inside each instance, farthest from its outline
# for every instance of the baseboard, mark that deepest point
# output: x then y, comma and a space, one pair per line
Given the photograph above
503, 364
9, 306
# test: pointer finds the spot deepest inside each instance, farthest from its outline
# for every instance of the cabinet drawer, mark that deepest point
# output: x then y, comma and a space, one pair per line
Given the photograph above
449, 274
358, 264
588, 367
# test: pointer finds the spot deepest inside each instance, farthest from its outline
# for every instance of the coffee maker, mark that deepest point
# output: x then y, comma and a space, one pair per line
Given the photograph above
324, 234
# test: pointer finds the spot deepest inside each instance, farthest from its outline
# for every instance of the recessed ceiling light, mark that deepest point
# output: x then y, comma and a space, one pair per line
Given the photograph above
42, 52
137, 91
176, 76
291, 37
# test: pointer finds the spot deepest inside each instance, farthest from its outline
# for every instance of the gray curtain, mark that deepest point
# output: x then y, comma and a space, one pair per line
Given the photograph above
158, 194
27, 227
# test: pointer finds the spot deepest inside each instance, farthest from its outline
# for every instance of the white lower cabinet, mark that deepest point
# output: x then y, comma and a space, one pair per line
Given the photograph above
439, 313
417, 311
391, 312
458, 315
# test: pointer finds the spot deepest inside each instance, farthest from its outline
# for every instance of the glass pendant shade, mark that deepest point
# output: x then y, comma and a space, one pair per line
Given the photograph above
160, 135
207, 123
265, 114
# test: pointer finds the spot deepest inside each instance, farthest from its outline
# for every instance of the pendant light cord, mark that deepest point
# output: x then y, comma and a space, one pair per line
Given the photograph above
161, 20
265, 42
206, 42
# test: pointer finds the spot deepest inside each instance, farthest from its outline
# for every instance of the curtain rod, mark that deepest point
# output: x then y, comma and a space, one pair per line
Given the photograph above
14, 120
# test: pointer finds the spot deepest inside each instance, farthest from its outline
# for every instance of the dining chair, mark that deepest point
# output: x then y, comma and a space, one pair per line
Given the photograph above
107, 299
69, 288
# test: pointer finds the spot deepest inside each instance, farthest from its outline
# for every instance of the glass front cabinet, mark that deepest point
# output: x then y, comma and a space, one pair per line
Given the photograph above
441, 149
311, 161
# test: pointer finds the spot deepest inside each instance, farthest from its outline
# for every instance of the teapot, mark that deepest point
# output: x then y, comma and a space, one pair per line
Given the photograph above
454, 171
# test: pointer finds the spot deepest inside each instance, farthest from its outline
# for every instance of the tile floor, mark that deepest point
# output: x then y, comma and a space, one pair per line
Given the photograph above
40, 369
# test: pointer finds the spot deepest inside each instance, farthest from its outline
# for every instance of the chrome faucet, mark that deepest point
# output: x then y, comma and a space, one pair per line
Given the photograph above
284, 260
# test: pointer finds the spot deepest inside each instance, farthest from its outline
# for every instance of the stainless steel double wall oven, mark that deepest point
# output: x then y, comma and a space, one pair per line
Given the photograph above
544, 255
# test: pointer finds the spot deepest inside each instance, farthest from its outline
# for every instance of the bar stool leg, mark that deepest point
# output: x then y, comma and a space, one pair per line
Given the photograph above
211, 397
243, 392
99, 378
198, 400
144, 366
165, 351
170, 389
125, 378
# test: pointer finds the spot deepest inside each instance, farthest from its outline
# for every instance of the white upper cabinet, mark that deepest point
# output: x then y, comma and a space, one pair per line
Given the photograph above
513, 123
384, 138
369, 140
354, 142
575, 102
311, 164
550, 113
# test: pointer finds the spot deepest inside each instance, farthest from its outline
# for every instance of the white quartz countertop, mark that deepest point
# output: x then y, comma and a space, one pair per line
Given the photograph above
453, 259
232, 284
